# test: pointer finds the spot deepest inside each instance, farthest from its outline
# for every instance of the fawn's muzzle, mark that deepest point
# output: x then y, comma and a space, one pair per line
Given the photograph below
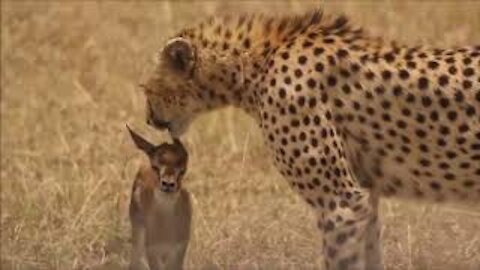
167, 186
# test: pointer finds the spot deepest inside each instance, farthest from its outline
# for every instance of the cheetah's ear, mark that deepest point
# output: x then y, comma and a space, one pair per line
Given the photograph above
141, 143
179, 54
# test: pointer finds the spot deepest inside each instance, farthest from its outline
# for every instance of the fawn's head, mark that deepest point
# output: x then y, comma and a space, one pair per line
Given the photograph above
168, 161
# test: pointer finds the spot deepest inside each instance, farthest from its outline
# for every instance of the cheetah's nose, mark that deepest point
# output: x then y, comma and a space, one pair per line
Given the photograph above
156, 123
153, 120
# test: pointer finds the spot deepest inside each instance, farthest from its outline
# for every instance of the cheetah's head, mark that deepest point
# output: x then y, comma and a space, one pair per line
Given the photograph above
170, 89
181, 86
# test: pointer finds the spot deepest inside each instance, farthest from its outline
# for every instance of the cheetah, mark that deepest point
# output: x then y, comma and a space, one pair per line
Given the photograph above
348, 117
160, 208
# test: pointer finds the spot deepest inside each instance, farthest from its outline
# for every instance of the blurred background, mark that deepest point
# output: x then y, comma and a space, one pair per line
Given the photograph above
69, 76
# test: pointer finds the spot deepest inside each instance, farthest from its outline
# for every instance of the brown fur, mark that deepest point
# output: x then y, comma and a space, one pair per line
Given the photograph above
160, 218
164, 223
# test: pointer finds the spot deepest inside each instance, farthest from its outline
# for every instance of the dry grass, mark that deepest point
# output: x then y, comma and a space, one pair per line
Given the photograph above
69, 75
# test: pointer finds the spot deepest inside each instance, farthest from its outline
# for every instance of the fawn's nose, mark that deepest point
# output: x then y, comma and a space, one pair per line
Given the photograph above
166, 186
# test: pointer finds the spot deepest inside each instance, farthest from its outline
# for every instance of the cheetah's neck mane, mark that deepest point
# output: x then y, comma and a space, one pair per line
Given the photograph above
259, 34
248, 41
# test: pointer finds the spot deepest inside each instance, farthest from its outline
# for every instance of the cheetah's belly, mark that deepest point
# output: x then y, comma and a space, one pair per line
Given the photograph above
425, 171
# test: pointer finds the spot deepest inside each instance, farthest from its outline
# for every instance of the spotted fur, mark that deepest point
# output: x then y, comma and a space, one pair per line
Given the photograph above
348, 117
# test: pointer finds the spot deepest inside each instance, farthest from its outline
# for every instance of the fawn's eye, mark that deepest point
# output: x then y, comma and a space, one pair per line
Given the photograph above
156, 169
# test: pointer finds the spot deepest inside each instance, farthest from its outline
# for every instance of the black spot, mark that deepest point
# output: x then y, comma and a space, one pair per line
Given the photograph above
433, 65
463, 128
302, 59
332, 205
452, 115
444, 130
329, 226
342, 53
467, 84
386, 104
317, 51
426, 101
468, 183
434, 116
298, 73
420, 118
311, 83
401, 124
443, 80
324, 97
397, 90
420, 133
344, 73
406, 112
319, 67
301, 101
435, 186
272, 82
468, 72
380, 90
389, 57
338, 103
403, 74
298, 87
346, 89
246, 43
307, 44
355, 67
449, 176
386, 75
422, 83
369, 95
331, 60
459, 97
410, 98
452, 70
331, 81
356, 105
328, 40
369, 75
444, 102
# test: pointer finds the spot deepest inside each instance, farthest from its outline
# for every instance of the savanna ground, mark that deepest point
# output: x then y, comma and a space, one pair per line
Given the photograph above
69, 76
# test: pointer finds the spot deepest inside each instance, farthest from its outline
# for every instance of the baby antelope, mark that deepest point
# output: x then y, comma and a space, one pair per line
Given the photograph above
160, 209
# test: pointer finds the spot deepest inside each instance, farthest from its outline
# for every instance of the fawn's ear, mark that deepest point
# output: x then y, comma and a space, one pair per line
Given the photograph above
183, 150
141, 143
179, 54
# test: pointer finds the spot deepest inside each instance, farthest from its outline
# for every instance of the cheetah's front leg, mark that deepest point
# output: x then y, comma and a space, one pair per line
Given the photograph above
351, 233
373, 248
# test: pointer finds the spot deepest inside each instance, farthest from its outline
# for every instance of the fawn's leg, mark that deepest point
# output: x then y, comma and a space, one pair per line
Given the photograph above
138, 247
158, 256
179, 257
